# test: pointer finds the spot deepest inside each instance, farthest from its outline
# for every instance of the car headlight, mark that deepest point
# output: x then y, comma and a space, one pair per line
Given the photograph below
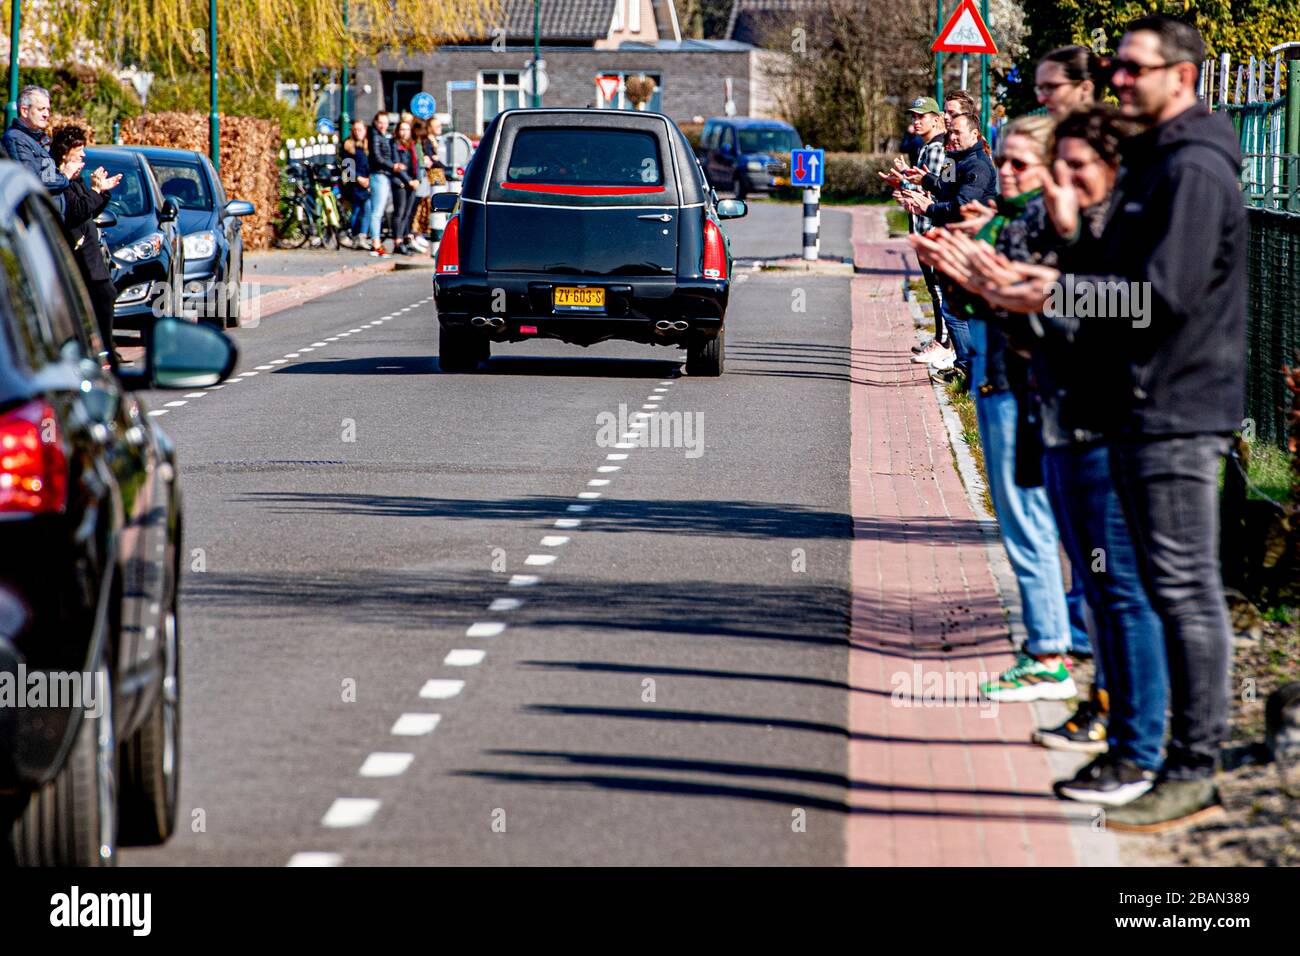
199, 245
141, 249
756, 166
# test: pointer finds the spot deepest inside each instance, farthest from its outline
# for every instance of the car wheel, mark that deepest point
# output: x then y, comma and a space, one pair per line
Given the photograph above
72, 820
707, 356
738, 186
234, 304
151, 757
460, 351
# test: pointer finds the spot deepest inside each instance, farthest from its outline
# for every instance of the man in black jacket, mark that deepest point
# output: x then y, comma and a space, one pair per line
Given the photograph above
1175, 244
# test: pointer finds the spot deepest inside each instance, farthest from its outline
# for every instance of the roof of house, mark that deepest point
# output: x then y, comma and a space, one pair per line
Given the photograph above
560, 19
750, 19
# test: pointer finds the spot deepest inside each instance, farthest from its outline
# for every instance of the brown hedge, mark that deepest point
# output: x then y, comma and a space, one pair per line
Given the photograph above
249, 165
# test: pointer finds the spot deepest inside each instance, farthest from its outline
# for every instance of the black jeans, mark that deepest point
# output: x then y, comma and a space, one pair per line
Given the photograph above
403, 210
1169, 489
936, 299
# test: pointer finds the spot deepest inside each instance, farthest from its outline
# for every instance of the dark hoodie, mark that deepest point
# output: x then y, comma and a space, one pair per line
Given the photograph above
1176, 221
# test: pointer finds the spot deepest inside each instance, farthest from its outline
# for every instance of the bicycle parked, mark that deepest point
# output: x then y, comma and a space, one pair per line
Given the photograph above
309, 206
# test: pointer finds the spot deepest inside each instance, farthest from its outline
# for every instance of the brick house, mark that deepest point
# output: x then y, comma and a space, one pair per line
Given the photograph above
580, 40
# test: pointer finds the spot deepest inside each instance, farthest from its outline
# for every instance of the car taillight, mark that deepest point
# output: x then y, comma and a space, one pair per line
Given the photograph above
33, 469
449, 248
715, 252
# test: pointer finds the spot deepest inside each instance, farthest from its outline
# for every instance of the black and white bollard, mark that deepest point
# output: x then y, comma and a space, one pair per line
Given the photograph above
812, 222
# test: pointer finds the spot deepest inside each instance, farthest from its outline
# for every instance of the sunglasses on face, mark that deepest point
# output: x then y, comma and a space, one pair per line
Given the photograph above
1019, 165
1047, 89
1134, 69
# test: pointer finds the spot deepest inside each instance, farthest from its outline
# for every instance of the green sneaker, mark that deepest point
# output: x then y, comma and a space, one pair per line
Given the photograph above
1169, 805
1030, 679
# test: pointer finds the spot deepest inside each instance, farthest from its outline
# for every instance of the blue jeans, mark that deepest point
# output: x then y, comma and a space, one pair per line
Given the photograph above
1130, 639
1028, 530
1026, 522
380, 187
959, 337
360, 218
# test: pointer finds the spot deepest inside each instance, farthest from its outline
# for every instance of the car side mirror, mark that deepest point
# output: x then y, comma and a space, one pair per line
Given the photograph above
169, 212
732, 208
445, 202
106, 219
240, 207
180, 354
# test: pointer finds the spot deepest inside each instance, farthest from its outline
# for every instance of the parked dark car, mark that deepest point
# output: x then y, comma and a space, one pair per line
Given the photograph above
584, 226
90, 545
211, 231
145, 239
743, 154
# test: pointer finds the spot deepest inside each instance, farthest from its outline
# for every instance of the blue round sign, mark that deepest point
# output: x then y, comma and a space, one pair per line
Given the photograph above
325, 126
423, 105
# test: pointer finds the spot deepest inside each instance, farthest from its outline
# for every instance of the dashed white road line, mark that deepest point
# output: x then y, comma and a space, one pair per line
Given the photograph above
554, 540
441, 689
506, 604
415, 725
350, 812
464, 657
568, 522
485, 629
386, 765
578, 508
195, 394
589, 494
539, 560
157, 412
176, 404
598, 483
523, 580
607, 469
616, 457
315, 858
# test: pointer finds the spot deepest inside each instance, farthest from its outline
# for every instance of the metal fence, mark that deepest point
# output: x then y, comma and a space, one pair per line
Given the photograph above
1262, 108
1273, 332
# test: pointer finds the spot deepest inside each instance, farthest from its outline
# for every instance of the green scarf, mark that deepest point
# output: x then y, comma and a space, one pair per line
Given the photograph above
1008, 210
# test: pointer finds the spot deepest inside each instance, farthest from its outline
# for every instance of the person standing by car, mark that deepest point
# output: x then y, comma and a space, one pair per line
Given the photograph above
357, 181
82, 204
27, 142
405, 184
383, 167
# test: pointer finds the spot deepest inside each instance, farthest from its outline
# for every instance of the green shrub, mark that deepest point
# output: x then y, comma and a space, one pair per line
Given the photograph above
849, 176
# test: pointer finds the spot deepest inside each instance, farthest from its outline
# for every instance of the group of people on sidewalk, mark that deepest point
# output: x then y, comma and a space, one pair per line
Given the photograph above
1090, 286
58, 162
400, 168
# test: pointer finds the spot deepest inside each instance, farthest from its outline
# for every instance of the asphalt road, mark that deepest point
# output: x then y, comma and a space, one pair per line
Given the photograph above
671, 690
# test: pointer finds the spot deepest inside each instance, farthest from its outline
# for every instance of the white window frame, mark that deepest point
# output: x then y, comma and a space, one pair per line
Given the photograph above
620, 98
634, 16
497, 85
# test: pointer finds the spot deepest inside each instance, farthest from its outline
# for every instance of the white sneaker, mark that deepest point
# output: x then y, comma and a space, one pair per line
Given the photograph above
943, 359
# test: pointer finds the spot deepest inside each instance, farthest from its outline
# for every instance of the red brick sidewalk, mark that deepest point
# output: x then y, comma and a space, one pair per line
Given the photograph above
935, 782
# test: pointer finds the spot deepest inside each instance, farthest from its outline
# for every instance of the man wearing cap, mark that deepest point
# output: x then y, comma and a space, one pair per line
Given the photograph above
927, 124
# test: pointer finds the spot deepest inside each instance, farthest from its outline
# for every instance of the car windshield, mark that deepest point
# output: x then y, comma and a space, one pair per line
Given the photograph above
184, 184
130, 197
594, 157
767, 140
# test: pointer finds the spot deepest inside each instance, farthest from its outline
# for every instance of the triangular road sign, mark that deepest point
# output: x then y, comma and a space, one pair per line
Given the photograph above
964, 32
608, 87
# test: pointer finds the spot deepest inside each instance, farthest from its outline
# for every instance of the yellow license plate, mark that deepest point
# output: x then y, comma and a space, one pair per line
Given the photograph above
572, 297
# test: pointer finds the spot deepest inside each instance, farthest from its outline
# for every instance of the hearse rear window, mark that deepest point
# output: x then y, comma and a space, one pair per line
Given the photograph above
612, 158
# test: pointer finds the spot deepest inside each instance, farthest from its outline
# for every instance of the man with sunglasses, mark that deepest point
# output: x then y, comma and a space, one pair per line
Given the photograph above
1175, 388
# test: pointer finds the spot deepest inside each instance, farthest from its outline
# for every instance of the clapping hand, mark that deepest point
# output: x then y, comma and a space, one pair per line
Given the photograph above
974, 217
1062, 200
101, 182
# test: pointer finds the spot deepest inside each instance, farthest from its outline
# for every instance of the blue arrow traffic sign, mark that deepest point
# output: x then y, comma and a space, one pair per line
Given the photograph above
423, 105
807, 167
